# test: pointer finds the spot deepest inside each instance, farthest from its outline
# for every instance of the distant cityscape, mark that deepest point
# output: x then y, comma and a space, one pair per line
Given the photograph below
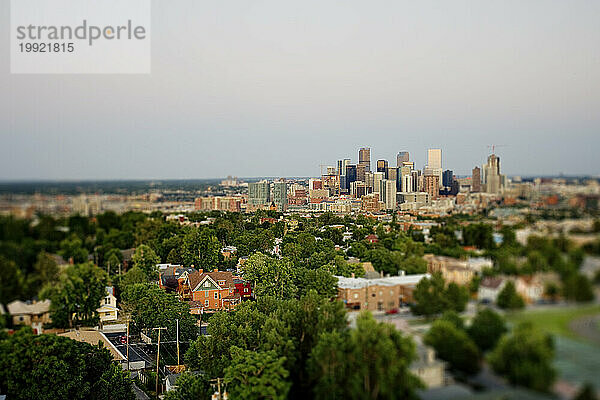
344, 187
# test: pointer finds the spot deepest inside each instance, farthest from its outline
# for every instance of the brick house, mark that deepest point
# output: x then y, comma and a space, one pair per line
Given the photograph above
215, 291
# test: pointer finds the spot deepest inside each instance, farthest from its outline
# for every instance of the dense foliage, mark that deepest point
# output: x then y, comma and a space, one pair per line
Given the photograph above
64, 369
525, 358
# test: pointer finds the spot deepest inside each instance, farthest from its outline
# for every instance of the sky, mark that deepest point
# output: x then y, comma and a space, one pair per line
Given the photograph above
277, 88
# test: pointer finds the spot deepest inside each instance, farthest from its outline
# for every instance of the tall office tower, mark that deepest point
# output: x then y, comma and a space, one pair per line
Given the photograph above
369, 181
360, 172
342, 173
259, 193
476, 180
434, 163
447, 178
405, 171
392, 173
432, 186
280, 195
434, 158
388, 193
364, 158
350, 175
382, 166
401, 158
417, 181
377, 178
358, 189
492, 178
407, 183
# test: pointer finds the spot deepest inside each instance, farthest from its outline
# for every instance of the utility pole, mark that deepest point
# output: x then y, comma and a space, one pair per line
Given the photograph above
158, 357
128, 344
177, 342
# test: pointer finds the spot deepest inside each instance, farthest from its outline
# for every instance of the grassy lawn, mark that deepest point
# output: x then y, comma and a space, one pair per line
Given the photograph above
555, 321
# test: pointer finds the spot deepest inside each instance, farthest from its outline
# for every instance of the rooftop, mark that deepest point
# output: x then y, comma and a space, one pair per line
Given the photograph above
357, 283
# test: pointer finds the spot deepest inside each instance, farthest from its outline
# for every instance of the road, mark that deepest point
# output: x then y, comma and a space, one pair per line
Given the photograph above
137, 351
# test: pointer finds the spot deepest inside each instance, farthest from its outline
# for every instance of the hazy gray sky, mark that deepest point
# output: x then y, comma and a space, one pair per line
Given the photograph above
255, 88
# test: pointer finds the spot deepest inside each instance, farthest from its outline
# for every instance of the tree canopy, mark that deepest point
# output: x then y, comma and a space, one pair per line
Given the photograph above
53, 367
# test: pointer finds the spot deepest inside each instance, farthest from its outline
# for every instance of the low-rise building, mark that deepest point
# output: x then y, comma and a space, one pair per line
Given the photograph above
489, 289
34, 314
215, 291
452, 269
108, 310
381, 294
428, 368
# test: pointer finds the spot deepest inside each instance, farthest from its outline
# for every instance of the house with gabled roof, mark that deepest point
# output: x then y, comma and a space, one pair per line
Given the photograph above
212, 291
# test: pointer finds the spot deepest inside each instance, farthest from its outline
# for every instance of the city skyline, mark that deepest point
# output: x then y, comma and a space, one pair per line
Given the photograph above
232, 91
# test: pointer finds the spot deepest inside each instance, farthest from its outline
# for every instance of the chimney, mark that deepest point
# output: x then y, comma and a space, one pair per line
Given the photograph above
201, 271
353, 275
216, 270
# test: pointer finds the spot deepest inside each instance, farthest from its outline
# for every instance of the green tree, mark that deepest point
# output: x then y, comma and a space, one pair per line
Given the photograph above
578, 287
190, 387
525, 358
369, 362
146, 259
432, 297
45, 271
454, 346
453, 317
201, 249
72, 248
429, 296
271, 277
11, 281
113, 258
456, 297
151, 307
509, 299
256, 375
319, 280
53, 367
133, 276
486, 329
77, 295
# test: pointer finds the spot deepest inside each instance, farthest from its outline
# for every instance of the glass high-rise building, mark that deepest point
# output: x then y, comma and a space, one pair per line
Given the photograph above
280, 195
402, 157
364, 158
259, 193
382, 166
350, 174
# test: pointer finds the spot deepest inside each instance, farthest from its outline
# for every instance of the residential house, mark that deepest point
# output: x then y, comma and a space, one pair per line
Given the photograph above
380, 294
173, 277
34, 314
108, 310
214, 291
489, 288
532, 287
